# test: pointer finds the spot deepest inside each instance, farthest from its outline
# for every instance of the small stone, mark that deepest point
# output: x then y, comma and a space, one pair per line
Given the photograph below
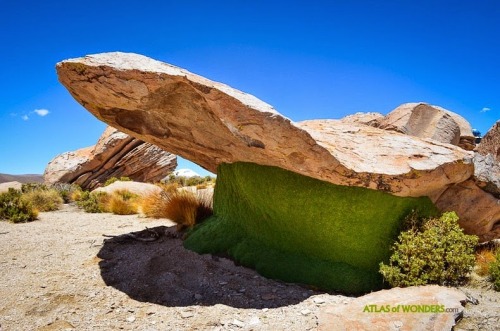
131, 319
186, 314
305, 312
318, 301
238, 323
265, 309
198, 296
242, 290
222, 283
254, 321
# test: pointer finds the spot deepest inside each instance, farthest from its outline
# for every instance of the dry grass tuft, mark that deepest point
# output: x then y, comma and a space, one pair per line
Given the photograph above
484, 257
181, 206
43, 199
122, 202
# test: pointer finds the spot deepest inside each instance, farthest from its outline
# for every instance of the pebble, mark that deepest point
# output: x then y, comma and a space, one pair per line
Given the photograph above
318, 301
131, 319
198, 296
305, 312
254, 321
265, 309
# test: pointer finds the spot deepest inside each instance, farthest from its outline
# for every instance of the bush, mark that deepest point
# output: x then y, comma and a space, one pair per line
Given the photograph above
111, 180
494, 269
436, 252
93, 202
484, 257
67, 191
191, 181
122, 202
180, 206
14, 209
43, 199
29, 187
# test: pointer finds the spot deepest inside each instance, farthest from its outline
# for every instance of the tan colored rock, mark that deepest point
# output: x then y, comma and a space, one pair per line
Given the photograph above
369, 312
425, 121
371, 119
116, 154
490, 144
4, 187
479, 211
142, 189
211, 123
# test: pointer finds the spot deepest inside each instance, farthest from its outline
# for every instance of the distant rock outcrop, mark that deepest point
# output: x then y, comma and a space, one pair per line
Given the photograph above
4, 187
490, 144
425, 121
116, 154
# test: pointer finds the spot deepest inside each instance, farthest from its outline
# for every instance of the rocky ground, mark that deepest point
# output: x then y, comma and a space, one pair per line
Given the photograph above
61, 273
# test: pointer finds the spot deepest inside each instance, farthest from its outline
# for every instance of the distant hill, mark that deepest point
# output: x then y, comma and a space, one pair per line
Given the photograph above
31, 178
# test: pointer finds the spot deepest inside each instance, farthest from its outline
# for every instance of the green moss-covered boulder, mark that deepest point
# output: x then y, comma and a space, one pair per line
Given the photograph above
299, 229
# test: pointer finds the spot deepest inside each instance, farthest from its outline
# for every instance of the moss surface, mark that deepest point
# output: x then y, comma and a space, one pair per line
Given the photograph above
298, 229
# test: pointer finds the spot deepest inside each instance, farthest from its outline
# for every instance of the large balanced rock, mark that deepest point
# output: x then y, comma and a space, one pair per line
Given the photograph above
317, 202
116, 154
425, 121
414, 308
211, 123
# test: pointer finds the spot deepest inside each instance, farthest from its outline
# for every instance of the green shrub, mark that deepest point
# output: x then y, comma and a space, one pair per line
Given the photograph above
190, 181
436, 252
29, 187
43, 199
93, 202
495, 271
14, 209
67, 191
111, 180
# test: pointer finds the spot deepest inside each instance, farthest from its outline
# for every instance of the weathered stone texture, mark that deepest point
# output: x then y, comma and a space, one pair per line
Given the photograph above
116, 154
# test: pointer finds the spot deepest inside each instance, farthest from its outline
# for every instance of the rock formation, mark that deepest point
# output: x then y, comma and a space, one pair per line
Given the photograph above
211, 123
116, 154
141, 189
426, 121
370, 312
490, 144
271, 168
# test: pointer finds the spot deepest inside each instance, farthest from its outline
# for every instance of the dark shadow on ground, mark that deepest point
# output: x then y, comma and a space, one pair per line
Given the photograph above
162, 271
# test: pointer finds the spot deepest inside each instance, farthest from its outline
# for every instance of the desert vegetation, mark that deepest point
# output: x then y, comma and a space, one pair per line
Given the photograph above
15, 209
431, 251
184, 207
199, 182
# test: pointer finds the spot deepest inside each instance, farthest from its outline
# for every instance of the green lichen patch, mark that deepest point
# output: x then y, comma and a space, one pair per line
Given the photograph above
299, 229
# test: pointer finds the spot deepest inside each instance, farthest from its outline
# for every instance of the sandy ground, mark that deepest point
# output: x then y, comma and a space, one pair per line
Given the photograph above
61, 273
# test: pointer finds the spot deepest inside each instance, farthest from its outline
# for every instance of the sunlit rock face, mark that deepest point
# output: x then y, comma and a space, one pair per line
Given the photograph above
116, 154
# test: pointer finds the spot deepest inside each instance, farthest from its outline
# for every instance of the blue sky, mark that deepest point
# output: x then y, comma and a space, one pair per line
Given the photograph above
309, 59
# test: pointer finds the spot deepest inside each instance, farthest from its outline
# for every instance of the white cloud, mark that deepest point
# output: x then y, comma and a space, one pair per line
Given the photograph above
25, 117
485, 109
41, 112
